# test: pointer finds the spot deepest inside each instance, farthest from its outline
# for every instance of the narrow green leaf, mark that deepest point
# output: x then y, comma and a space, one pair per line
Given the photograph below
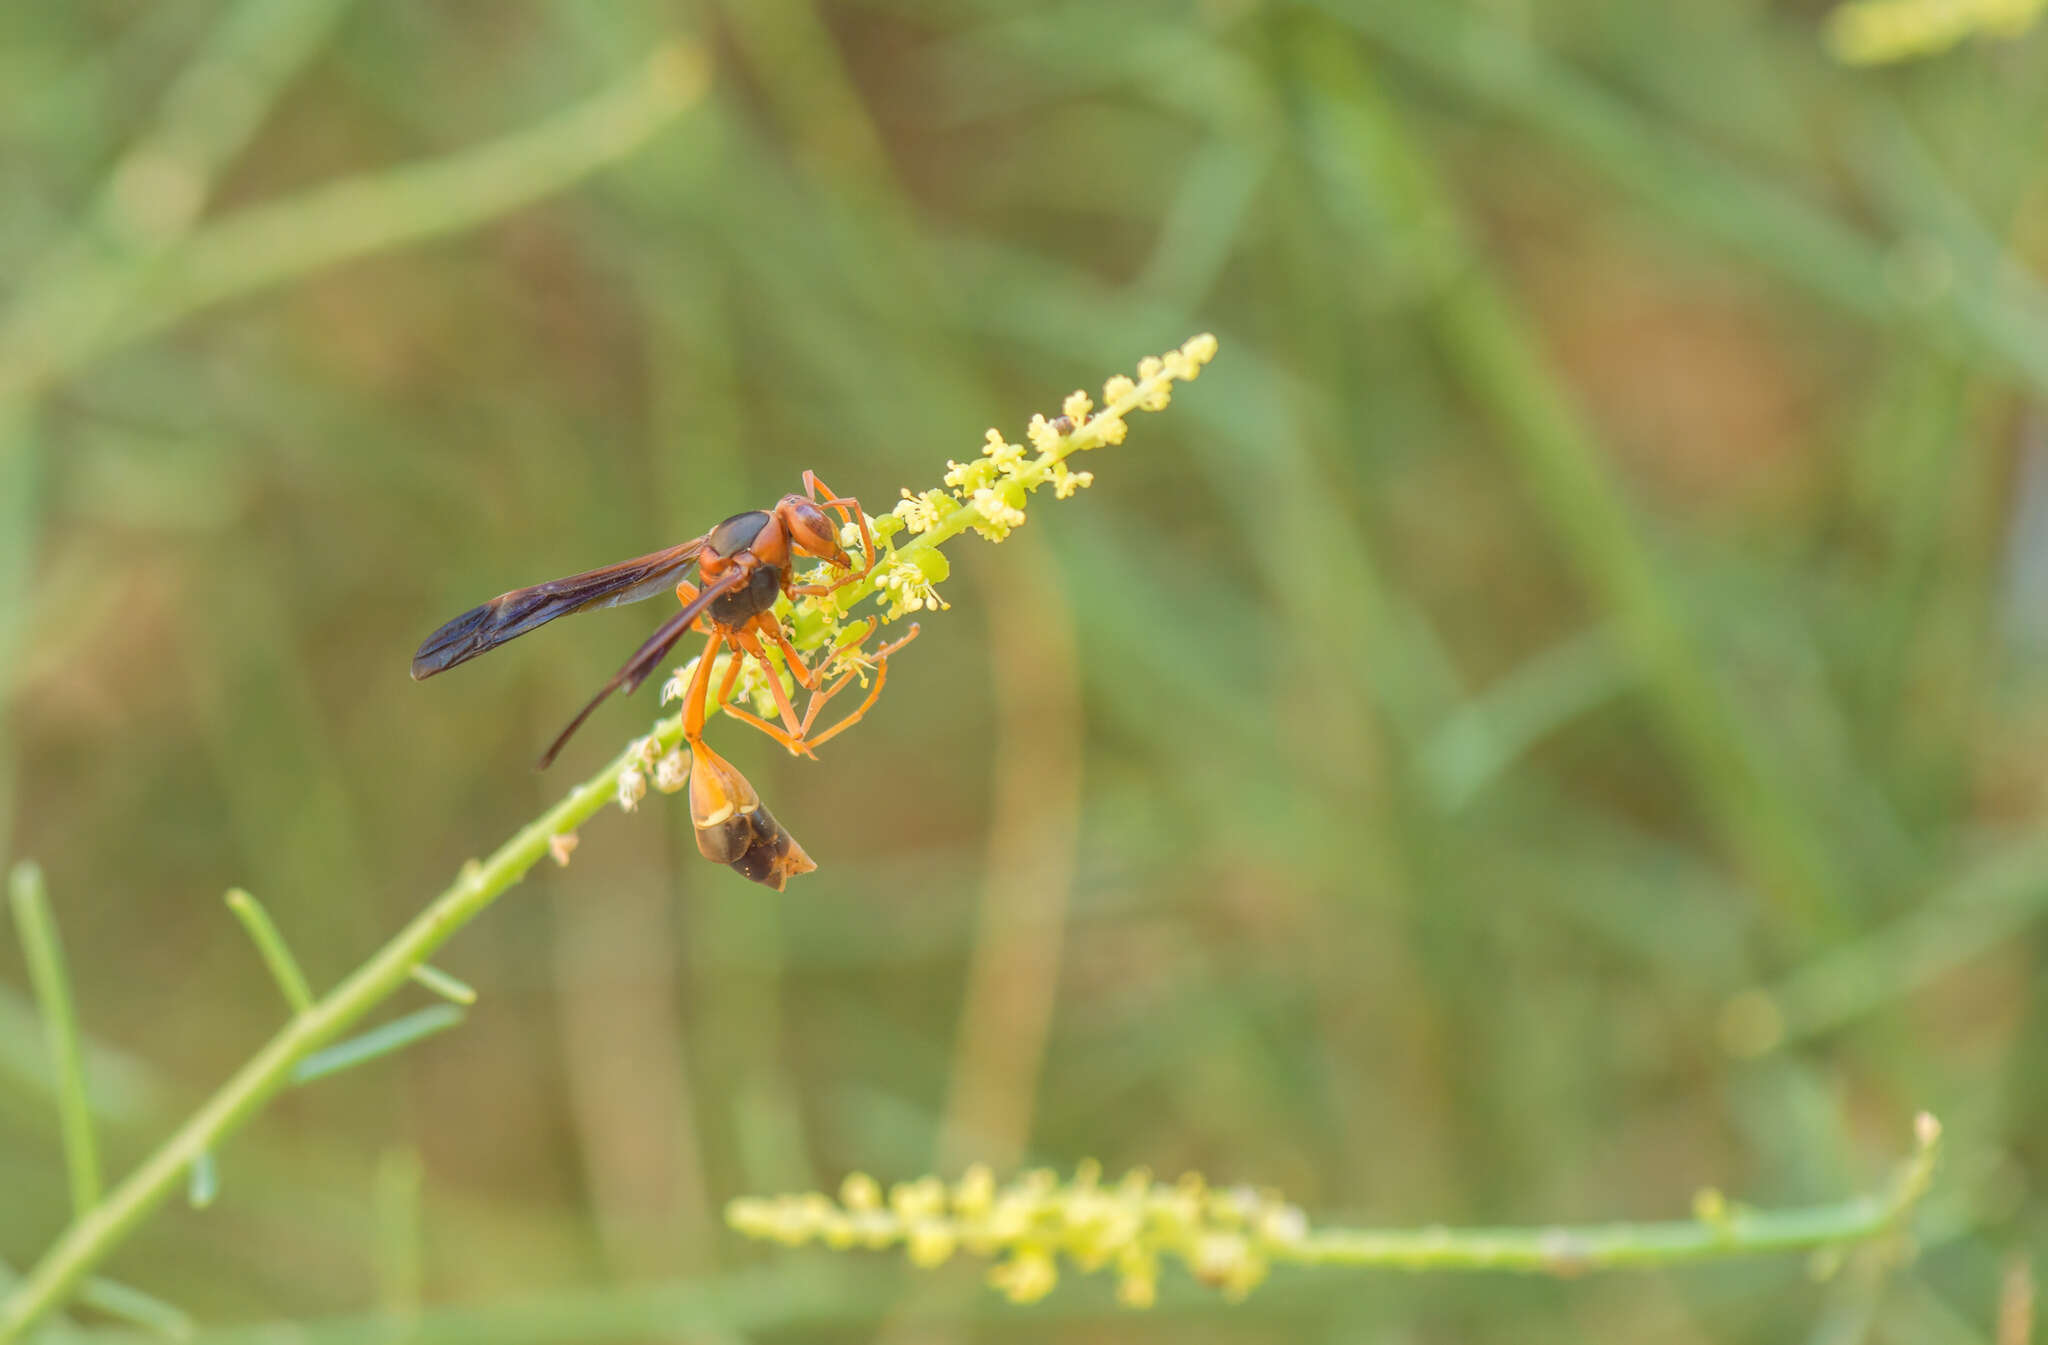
444, 985
204, 1183
135, 1307
394, 1035
53, 991
284, 968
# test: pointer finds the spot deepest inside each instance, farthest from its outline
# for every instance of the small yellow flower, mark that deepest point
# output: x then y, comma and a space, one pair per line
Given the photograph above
1065, 480
922, 513
1116, 389
974, 1192
908, 589
931, 1244
1001, 511
672, 772
1137, 1277
860, 1192
1026, 1277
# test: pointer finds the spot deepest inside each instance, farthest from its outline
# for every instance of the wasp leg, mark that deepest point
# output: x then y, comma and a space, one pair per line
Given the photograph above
700, 686
807, 677
793, 738
802, 741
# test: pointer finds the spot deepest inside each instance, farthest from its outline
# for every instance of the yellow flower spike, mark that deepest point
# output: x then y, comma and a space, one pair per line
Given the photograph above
1230, 1238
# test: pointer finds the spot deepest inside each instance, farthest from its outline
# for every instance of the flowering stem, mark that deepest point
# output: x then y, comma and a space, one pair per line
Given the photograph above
1229, 1239
296, 1054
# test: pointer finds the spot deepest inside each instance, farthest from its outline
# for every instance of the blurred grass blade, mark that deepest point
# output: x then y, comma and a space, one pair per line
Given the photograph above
381, 1041
1493, 730
1763, 221
400, 1258
1999, 899
284, 968
1370, 154
269, 244
157, 189
444, 985
45, 955
204, 1185
137, 1308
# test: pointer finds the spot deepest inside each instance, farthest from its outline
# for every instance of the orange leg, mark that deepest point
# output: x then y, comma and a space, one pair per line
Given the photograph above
797, 736
793, 738
732, 674
693, 699
881, 657
807, 677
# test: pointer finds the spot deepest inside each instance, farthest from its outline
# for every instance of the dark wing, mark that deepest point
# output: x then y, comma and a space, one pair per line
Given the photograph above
648, 656
484, 628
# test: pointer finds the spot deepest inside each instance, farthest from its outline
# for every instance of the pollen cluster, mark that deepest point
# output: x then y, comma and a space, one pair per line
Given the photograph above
1226, 1238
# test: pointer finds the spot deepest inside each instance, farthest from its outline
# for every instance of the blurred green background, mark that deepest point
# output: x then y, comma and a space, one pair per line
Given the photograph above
1554, 719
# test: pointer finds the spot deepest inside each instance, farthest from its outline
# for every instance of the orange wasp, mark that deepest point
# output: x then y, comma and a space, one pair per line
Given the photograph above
743, 565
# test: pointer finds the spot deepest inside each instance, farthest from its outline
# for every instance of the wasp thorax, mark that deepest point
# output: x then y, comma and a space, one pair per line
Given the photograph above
733, 827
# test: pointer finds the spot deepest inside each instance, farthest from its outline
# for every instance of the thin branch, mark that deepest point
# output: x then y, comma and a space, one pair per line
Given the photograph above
277, 955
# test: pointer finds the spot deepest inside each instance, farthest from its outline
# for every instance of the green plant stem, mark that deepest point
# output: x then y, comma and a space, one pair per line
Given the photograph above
103, 1226
52, 983
1572, 1250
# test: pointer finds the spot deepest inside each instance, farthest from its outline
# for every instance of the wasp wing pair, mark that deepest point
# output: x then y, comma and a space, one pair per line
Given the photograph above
510, 615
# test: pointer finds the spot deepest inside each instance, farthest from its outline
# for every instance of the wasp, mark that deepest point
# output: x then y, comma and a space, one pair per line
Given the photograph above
742, 566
